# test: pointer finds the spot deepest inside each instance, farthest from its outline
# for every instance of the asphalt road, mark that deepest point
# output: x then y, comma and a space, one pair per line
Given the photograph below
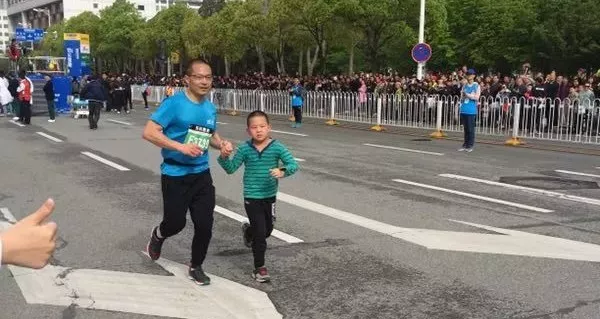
341, 204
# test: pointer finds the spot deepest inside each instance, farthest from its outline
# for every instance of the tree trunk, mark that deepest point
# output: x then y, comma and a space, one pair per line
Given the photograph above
311, 63
99, 67
300, 63
351, 60
324, 55
226, 66
261, 58
282, 57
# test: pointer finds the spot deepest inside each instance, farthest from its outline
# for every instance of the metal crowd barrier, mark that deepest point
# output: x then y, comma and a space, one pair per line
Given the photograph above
576, 120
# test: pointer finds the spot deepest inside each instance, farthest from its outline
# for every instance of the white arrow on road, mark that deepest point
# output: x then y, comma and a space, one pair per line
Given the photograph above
167, 296
505, 241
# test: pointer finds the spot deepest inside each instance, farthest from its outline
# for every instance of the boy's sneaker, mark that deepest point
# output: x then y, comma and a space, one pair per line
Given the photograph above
462, 149
246, 230
198, 276
154, 245
469, 150
261, 274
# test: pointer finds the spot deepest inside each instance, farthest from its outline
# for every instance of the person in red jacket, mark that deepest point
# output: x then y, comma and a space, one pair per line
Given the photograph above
25, 89
13, 52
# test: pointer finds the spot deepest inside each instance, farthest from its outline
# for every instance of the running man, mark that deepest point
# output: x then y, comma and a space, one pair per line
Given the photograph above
184, 126
261, 156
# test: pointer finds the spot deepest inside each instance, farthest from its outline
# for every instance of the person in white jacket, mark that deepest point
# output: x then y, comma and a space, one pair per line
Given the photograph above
5, 96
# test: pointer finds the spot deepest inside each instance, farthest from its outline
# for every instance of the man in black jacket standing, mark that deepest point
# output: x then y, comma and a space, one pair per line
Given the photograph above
49, 94
96, 95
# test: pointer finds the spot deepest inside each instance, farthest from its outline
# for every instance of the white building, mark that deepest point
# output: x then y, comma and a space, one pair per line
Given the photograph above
42, 13
4, 27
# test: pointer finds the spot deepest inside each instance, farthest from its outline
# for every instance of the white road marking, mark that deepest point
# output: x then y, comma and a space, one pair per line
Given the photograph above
511, 242
300, 160
553, 194
506, 242
289, 133
404, 149
338, 214
17, 123
483, 198
157, 295
222, 123
50, 137
119, 122
105, 161
576, 173
8, 215
276, 233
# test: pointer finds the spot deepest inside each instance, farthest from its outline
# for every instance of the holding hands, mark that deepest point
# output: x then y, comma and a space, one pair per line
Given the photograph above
226, 148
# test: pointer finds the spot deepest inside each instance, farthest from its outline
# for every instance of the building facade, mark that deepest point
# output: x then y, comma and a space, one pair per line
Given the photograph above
43, 13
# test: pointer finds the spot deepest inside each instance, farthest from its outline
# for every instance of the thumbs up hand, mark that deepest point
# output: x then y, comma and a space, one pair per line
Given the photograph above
32, 240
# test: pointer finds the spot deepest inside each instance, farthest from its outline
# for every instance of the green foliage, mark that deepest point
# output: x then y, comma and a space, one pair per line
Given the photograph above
370, 35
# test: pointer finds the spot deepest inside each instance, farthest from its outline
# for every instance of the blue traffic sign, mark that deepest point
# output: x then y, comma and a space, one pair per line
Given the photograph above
421, 52
25, 34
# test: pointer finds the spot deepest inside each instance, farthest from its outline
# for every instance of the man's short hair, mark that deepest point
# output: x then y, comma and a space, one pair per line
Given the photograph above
190, 66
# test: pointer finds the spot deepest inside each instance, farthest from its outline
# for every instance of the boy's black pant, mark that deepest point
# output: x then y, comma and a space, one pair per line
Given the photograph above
196, 193
261, 213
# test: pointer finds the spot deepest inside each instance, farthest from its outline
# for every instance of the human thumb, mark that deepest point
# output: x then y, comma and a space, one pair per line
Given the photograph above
41, 214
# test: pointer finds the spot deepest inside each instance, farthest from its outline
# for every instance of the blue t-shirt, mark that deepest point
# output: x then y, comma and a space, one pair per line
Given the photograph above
469, 106
176, 115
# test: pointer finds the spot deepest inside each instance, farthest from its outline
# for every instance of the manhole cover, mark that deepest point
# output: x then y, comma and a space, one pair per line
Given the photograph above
421, 140
549, 183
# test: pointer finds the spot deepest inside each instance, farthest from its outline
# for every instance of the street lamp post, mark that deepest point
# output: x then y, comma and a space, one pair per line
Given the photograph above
421, 65
46, 11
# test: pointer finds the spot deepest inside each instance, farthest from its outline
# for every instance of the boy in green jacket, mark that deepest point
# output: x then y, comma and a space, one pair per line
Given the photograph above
261, 156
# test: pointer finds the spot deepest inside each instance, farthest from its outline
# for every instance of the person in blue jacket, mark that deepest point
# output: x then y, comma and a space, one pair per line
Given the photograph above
297, 93
469, 97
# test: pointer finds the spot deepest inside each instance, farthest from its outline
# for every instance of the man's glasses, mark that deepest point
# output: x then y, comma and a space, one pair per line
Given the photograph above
200, 77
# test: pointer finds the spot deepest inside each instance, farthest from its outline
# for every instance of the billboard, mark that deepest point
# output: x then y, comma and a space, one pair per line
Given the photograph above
80, 62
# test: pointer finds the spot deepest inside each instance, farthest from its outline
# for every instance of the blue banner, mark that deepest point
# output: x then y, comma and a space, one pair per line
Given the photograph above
73, 57
24, 34
62, 89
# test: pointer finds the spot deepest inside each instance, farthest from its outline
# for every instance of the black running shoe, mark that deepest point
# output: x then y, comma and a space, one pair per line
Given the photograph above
198, 276
154, 245
247, 231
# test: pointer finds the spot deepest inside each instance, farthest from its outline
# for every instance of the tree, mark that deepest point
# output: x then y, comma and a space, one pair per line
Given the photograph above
349, 33
503, 37
119, 24
52, 44
167, 26
88, 23
216, 35
209, 7
251, 19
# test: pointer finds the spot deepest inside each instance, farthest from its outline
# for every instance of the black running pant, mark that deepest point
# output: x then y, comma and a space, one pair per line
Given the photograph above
196, 193
261, 213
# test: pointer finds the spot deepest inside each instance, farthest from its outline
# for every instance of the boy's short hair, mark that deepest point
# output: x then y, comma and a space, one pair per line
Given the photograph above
256, 114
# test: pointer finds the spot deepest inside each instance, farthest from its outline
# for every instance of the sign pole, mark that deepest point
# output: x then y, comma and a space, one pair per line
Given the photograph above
421, 65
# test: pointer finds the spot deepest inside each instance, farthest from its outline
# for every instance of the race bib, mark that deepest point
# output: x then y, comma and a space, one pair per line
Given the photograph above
198, 135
